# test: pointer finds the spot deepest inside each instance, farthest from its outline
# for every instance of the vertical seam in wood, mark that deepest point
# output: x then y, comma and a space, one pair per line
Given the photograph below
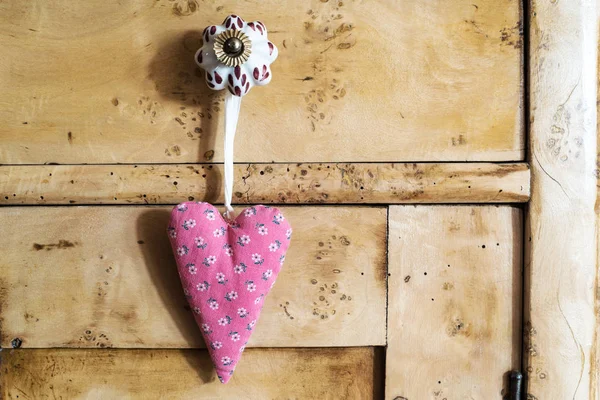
387, 270
526, 21
523, 359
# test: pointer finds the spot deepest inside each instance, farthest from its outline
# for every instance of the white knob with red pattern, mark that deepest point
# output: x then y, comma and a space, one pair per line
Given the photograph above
236, 55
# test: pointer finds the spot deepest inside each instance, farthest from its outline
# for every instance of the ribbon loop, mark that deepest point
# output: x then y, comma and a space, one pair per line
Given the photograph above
232, 113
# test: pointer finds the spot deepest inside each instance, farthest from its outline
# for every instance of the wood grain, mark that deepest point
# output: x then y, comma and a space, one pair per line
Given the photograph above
266, 183
107, 82
454, 305
106, 277
562, 258
342, 373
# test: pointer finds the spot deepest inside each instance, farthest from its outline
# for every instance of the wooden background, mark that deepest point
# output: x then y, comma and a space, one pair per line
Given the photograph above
392, 135
113, 82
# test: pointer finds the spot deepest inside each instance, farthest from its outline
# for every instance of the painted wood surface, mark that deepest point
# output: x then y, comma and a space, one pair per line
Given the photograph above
454, 304
267, 183
561, 356
113, 82
335, 373
106, 277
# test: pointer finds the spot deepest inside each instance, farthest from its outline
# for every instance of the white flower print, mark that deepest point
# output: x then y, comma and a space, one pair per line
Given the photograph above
258, 299
231, 295
267, 274
275, 245
196, 310
219, 232
206, 328
212, 303
242, 349
278, 218
250, 212
257, 259
189, 223
221, 278
192, 268
262, 230
181, 207
216, 345
226, 361
250, 286
243, 240
242, 312
200, 242
208, 261
172, 232
281, 259
251, 325
226, 320
187, 293
203, 286
210, 215
238, 269
183, 250
228, 250
288, 234
234, 336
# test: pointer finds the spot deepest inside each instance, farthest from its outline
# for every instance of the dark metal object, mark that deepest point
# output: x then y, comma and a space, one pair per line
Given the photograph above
515, 389
233, 47
16, 343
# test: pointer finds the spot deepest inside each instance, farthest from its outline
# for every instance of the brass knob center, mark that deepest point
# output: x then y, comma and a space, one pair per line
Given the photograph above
233, 47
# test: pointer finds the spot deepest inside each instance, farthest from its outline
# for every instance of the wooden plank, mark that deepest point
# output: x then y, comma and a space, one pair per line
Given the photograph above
267, 183
106, 277
108, 83
454, 307
342, 373
562, 276
595, 349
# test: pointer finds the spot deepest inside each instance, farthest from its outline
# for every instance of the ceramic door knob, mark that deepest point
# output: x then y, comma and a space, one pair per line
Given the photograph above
236, 55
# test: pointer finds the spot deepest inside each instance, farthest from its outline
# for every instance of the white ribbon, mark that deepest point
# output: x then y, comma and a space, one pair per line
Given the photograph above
232, 112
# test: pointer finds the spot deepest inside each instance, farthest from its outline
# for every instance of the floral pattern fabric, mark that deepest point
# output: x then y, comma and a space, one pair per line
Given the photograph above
227, 269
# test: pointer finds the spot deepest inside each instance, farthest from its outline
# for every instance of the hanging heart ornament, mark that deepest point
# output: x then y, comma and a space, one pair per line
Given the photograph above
228, 264
227, 268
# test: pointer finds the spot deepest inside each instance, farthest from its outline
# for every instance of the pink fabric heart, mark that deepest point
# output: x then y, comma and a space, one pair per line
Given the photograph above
227, 269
